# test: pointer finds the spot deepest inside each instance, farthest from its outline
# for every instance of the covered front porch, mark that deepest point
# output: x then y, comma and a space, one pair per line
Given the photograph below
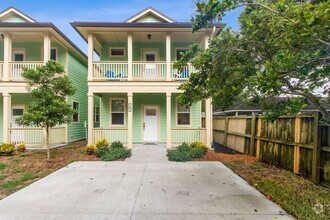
12, 105
146, 118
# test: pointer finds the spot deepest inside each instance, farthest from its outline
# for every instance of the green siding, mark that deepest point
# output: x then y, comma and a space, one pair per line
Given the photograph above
78, 75
15, 19
137, 50
105, 108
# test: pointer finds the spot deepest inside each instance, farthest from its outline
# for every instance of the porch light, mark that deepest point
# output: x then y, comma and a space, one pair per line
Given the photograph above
2, 36
149, 36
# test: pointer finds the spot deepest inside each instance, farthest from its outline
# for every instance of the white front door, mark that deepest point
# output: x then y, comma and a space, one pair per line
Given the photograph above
150, 71
150, 124
16, 111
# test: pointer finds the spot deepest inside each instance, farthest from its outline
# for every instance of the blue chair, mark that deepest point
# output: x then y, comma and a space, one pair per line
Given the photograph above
109, 74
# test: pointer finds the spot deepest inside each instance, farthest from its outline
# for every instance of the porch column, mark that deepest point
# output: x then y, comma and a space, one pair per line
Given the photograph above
7, 55
168, 120
6, 116
47, 46
208, 121
90, 42
130, 55
90, 118
168, 56
206, 41
130, 120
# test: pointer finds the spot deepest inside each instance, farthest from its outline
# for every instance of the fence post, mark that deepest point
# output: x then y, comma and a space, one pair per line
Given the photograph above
258, 137
225, 133
296, 156
316, 150
253, 135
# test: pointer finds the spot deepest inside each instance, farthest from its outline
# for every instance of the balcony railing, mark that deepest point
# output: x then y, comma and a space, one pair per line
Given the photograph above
16, 69
188, 136
118, 134
141, 71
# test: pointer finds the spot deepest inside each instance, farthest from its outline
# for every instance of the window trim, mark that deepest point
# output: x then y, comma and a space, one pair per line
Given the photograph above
18, 50
176, 51
76, 122
42, 53
118, 56
94, 115
110, 112
176, 116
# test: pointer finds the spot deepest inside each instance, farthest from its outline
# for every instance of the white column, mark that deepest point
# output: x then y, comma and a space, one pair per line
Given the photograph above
7, 56
130, 120
6, 116
47, 46
208, 122
206, 41
168, 56
90, 118
90, 40
130, 55
168, 121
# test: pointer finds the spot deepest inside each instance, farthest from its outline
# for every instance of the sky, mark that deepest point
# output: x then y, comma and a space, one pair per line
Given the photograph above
62, 12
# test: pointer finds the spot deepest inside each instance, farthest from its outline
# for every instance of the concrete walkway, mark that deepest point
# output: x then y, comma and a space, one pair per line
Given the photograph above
145, 186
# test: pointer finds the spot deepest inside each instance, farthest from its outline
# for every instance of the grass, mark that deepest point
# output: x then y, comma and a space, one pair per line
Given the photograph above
298, 196
22, 169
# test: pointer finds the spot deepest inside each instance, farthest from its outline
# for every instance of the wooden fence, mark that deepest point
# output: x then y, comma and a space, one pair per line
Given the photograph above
296, 143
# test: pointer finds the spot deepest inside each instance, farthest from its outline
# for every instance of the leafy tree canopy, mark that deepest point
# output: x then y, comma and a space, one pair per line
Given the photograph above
282, 49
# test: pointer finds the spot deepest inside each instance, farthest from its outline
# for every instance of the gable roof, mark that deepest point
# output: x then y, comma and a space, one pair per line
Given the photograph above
13, 12
150, 12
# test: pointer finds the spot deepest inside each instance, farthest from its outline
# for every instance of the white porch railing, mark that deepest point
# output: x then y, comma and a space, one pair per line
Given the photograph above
110, 134
188, 136
149, 71
16, 69
182, 75
32, 137
1, 70
110, 70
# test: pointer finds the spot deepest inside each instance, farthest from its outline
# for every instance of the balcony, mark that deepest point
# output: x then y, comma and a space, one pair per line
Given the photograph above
16, 69
141, 71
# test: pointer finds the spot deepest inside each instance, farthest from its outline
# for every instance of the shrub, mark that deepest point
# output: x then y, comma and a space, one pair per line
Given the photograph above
184, 147
117, 144
7, 149
196, 152
178, 155
115, 153
90, 149
21, 147
200, 145
101, 150
103, 142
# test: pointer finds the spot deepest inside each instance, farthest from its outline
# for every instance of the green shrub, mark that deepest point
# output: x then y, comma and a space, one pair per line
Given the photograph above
101, 150
117, 144
200, 145
196, 152
102, 143
115, 153
179, 155
7, 149
21, 147
90, 149
184, 147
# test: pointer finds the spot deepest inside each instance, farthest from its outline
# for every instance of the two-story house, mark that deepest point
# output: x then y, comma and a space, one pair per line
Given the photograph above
26, 43
136, 83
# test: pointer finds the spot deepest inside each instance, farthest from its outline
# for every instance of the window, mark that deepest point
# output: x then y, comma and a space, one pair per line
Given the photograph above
96, 114
116, 51
53, 54
18, 55
183, 115
180, 52
117, 109
76, 115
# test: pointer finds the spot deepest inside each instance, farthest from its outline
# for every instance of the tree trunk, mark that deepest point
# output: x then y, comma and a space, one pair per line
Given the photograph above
318, 105
47, 143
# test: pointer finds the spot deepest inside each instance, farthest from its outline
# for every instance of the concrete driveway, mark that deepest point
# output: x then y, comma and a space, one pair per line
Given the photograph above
145, 186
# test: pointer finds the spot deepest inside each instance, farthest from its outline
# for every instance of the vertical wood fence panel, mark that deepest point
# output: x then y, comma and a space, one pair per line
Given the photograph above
296, 143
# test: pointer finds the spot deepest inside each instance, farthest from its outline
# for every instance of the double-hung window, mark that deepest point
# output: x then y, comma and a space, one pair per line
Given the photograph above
117, 112
183, 114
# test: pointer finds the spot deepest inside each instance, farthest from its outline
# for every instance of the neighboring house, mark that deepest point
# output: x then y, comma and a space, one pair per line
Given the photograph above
248, 108
137, 84
26, 43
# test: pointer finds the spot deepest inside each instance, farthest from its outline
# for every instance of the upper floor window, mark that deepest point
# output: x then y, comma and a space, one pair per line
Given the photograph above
180, 52
76, 115
116, 51
53, 54
18, 55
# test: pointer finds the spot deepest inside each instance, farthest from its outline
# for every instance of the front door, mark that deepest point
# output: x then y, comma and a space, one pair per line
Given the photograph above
150, 124
150, 71
16, 111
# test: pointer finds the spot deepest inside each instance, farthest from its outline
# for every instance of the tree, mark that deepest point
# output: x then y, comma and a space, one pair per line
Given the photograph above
48, 86
282, 49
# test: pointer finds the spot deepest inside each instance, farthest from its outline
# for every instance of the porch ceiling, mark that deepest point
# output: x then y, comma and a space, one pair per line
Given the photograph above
26, 37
